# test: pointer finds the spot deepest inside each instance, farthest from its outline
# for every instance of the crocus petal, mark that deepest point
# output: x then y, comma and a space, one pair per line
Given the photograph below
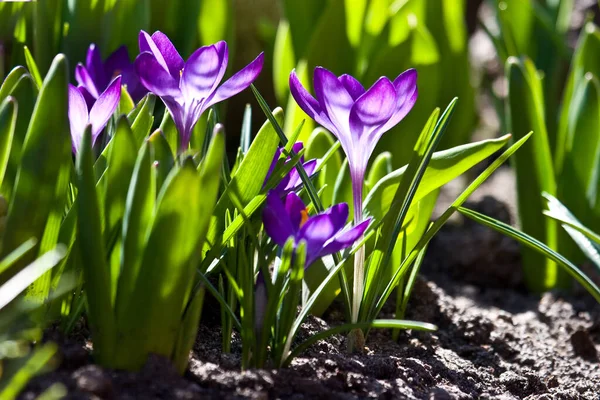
353, 87
89, 99
276, 220
94, 66
200, 73
308, 104
175, 63
373, 108
273, 163
238, 82
344, 239
78, 116
177, 113
154, 77
315, 232
294, 181
338, 214
333, 98
84, 79
117, 62
294, 207
104, 107
406, 97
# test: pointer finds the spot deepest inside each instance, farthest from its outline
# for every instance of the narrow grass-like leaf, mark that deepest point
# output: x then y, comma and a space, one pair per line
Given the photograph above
25, 94
557, 211
41, 183
444, 166
577, 182
34, 365
137, 220
536, 245
437, 225
588, 241
534, 168
16, 254
95, 269
142, 123
188, 331
308, 185
121, 161
164, 282
162, 156
8, 119
402, 199
248, 179
10, 81
378, 323
32, 67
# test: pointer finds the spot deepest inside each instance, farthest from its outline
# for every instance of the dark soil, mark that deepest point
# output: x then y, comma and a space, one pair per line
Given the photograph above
494, 341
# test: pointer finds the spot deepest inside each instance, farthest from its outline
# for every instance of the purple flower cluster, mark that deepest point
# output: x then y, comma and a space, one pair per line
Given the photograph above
357, 117
188, 88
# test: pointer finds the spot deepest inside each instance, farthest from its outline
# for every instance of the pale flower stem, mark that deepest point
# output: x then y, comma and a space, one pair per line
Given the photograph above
359, 256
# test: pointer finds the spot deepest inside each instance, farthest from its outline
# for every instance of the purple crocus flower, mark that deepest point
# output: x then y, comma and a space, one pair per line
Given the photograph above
292, 181
357, 117
96, 75
323, 233
188, 88
99, 114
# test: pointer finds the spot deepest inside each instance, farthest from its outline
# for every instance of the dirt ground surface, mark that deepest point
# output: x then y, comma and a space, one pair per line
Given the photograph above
495, 341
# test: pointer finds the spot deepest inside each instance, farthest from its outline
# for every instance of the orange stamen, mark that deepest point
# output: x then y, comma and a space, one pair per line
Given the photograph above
304, 218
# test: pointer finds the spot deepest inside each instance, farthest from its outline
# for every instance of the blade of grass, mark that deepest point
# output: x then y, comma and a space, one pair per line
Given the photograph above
536, 245
437, 225
378, 323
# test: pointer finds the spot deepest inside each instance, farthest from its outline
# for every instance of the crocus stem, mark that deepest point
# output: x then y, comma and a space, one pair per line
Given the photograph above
359, 257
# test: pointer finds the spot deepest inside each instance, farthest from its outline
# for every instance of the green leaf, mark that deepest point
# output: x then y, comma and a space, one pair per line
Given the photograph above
25, 94
586, 239
215, 21
137, 220
249, 177
168, 267
34, 365
188, 331
96, 273
15, 285
126, 104
378, 323
144, 119
355, 17
121, 162
437, 225
535, 172
444, 166
323, 34
32, 66
284, 61
319, 143
163, 157
535, 245
45, 165
11, 80
8, 119
578, 179
302, 17
584, 61
381, 166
